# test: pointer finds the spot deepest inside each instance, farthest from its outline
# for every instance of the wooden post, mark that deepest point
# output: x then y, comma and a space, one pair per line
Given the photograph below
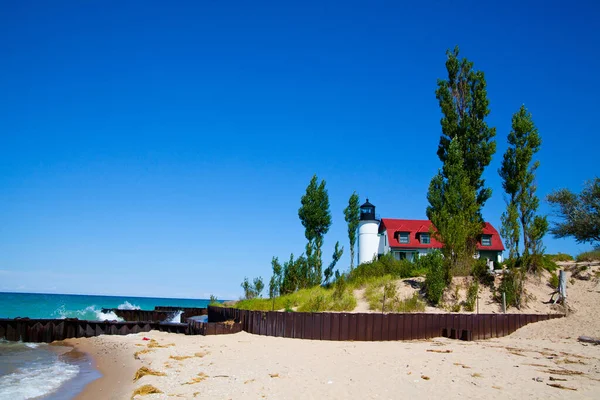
562, 288
504, 302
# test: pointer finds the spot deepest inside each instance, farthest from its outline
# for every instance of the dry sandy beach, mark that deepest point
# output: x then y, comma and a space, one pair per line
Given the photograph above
243, 366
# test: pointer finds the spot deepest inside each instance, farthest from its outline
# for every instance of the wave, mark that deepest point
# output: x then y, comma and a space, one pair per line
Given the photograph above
176, 318
89, 313
27, 383
128, 306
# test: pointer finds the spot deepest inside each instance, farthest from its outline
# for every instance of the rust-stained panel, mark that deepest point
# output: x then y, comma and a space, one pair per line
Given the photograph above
335, 326
326, 321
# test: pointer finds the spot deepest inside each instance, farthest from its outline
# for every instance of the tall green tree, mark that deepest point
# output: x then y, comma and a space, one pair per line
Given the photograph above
316, 219
454, 211
352, 215
464, 104
578, 213
518, 180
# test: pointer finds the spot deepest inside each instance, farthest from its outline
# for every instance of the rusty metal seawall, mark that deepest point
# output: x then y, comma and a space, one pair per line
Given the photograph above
376, 327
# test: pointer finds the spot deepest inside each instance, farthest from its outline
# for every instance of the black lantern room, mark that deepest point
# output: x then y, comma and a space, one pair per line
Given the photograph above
367, 212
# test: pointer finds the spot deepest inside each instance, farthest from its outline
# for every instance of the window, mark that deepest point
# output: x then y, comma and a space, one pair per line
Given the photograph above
486, 240
425, 238
403, 237
399, 255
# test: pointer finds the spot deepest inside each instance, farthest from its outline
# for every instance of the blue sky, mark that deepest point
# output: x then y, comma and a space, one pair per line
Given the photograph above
161, 150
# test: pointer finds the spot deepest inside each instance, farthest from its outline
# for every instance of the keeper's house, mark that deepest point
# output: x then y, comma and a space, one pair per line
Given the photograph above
410, 238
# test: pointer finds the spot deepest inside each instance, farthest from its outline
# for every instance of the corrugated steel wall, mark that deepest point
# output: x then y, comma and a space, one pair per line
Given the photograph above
376, 327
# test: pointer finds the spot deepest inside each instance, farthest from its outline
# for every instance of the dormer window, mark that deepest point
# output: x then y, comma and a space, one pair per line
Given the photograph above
404, 237
425, 238
486, 240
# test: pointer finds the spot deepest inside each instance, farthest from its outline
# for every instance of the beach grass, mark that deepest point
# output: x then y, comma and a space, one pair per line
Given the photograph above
374, 294
588, 256
305, 300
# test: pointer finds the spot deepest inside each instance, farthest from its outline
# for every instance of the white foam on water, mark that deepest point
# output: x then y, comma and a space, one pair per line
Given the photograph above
128, 306
31, 382
176, 318
32, 345
89, 313
107, 316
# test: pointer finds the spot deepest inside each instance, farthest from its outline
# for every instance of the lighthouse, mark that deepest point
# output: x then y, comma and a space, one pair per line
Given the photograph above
368, 238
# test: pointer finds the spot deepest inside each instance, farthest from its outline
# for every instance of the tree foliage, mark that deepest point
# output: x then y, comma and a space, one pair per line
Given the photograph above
276, 278
316, 218
337, 254
252, 290
579, 214
454, 211
464, 104
518, 175
352, 215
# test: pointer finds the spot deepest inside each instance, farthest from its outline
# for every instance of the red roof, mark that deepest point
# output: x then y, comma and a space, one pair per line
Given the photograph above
416, 226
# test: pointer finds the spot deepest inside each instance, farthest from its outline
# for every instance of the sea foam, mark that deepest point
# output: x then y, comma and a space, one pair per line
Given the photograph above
36, 381
176, 318
128, 306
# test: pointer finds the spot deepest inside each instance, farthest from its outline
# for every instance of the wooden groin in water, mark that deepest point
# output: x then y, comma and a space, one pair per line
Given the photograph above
49, 330
375, 327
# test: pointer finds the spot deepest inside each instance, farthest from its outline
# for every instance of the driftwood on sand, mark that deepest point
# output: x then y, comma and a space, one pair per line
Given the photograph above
587, 339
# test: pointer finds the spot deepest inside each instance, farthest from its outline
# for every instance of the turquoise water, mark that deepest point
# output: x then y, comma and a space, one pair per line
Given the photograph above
34, 305
37, 370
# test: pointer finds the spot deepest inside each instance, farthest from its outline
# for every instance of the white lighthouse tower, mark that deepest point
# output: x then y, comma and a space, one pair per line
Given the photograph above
368, 238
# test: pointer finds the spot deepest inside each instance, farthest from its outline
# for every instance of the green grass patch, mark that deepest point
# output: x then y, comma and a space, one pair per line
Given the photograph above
472, 292
305, 300
588, 256
384, 266
553, 281
560, 257
377, 287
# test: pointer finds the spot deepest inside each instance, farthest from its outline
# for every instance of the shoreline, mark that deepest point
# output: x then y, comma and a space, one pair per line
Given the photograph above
242, 365
113, 359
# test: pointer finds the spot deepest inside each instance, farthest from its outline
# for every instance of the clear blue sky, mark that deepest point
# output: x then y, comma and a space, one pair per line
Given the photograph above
156, 149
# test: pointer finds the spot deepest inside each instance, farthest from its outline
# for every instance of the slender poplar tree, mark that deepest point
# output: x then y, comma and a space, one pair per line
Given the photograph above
457, 193
352, 215
316, 219
464, 103
518, 180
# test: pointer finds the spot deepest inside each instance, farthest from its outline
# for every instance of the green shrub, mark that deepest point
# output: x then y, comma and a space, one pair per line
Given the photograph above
553, 281
411, 304
436, 278
481, 273
588, 256
455, 307
472, 292
512, 286
385, 265
560, 257
377, 287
